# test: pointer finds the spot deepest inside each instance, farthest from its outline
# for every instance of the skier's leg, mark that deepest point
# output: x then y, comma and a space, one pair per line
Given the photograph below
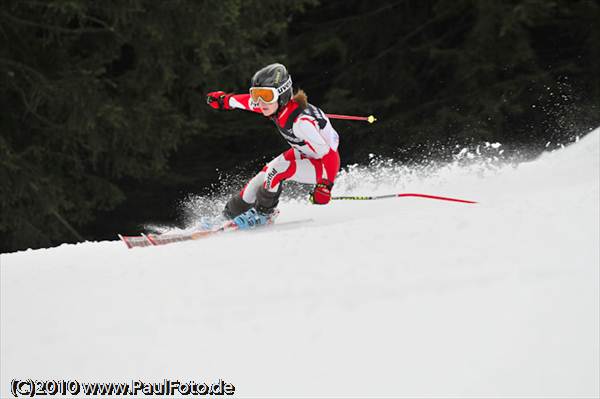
265, 188
292, 166
287, 166
235, 206
311, 171
248, 193
278, 170
245, 199
267, 201
307, 171
262, 191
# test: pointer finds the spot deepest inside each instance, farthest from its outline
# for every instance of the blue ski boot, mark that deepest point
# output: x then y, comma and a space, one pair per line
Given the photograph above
264, 211
250, 219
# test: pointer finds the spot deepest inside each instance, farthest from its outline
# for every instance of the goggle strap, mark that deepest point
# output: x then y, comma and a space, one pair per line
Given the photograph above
288, 83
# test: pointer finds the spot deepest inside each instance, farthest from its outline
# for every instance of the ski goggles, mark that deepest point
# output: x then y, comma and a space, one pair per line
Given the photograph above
269, 95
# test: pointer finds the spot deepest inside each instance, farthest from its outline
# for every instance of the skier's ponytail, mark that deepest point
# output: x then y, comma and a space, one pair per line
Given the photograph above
301, 98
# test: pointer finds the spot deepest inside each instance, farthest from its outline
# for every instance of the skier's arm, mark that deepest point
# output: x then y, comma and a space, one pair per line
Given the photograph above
242, 101
221, 100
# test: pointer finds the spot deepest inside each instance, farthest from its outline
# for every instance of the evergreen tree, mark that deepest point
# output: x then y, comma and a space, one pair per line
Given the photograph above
96, 96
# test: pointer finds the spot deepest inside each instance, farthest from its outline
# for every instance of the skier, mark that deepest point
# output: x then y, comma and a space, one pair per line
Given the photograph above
313, 158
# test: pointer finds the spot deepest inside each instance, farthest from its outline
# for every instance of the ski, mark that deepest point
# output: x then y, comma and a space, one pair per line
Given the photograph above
135, 241
149, 240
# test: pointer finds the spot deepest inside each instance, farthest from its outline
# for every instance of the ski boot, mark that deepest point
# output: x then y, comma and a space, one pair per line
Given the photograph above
251, 219
264, 211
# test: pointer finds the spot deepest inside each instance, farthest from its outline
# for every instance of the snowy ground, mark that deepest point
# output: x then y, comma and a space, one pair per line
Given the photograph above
401, 297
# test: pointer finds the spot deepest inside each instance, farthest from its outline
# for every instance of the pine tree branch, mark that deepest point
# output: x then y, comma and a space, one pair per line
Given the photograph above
53, 28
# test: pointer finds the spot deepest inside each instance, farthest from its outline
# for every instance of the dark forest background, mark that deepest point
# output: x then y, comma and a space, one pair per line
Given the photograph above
104, 124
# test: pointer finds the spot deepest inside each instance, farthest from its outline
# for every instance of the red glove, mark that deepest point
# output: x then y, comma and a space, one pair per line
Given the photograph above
322, 193
218, 100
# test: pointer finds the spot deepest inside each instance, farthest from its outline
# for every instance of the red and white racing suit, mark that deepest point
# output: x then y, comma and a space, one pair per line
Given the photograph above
314, 143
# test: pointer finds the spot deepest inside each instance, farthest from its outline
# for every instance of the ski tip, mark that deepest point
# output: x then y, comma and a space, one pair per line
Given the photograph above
124, 239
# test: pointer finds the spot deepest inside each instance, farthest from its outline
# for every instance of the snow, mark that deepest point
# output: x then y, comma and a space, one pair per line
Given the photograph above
400, 297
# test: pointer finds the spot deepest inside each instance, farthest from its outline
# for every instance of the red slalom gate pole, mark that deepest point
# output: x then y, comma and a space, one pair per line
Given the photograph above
369, 118
376, 197
436, 197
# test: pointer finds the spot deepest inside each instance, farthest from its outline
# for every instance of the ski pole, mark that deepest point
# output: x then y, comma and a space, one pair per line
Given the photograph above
376, 197
369, 118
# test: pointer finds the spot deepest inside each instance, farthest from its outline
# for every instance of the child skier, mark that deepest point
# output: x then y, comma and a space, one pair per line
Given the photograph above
313, 158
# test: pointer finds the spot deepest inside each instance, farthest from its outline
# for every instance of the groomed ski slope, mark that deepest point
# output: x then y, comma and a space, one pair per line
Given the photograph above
400, 297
